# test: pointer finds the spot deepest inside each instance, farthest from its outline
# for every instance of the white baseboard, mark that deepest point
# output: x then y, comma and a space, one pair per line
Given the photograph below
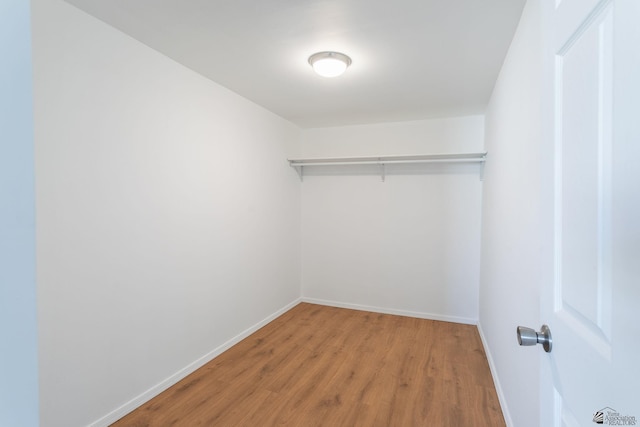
419, 315
496, 381
134, 403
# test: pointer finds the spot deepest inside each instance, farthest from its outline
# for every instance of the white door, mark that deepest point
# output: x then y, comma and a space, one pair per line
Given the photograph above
591, 299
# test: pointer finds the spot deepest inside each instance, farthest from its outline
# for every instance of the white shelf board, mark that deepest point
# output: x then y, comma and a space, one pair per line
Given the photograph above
299, 164
382, 160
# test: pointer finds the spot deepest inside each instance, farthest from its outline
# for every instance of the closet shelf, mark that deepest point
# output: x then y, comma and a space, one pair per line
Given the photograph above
379, 160
299, 164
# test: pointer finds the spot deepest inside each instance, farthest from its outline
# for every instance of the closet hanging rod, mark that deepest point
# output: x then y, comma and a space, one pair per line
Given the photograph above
382, 160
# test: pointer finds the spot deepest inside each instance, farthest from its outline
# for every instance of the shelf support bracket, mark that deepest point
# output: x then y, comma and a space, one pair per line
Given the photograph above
383, 171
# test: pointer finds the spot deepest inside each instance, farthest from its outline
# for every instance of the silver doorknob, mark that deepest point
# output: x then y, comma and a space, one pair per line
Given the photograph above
528, 336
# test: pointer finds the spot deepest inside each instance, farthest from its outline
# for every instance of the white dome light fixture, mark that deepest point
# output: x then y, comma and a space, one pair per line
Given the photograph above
329, 64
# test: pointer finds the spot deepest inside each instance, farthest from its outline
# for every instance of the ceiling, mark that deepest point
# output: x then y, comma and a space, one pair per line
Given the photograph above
412, 59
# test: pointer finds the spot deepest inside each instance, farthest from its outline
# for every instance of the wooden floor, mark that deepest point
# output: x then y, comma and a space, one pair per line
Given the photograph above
325, 366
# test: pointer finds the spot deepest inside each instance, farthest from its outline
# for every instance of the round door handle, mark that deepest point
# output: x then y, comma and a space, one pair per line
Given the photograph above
528, 336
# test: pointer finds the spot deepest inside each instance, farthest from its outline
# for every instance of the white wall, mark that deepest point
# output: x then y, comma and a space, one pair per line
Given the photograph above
18, 333
168, 220
409, 245
511, 242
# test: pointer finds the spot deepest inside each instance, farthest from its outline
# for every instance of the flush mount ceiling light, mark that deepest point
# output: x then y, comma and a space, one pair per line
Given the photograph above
329, 64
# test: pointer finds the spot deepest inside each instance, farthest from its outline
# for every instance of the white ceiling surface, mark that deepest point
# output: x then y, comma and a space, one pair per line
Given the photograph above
412, 59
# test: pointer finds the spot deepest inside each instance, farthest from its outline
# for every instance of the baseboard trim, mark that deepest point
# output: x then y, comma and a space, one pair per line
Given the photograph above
496, 380
136, 402
417, 314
